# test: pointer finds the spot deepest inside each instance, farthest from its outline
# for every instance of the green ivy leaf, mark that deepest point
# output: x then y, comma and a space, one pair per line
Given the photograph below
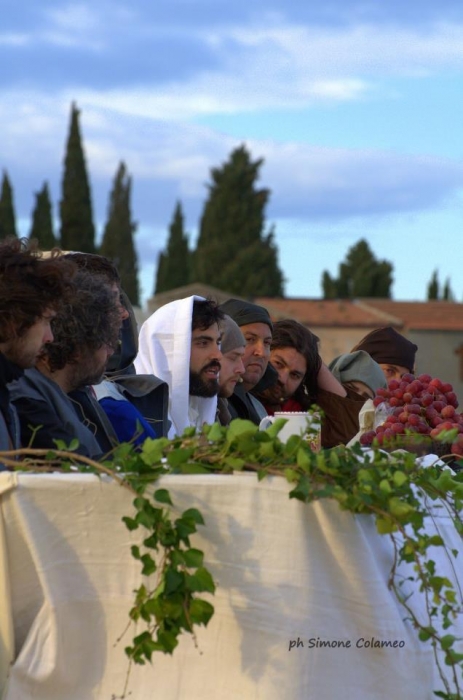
426, 633
399, 478
240, 427
174, 579
179, 457
303, 458
193, 514
200, 611
215, 432
149, 565
193, 558
400, 508
168, 641
192, 468
385, 526
385, 486
163, 496
130, 523
235, 463
447, 641
275, 427
267, 449
152, 450
200, 581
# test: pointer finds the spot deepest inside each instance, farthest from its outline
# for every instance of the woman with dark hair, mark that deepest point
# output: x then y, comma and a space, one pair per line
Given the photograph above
304, 380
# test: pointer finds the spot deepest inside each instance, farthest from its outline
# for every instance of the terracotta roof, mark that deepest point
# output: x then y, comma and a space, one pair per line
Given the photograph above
421, 315
365, 313
328, 313
202, 290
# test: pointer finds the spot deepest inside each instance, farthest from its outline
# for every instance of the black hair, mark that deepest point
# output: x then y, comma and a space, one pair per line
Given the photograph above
205, 313
289, 333
96, 264
29, 285
89, 320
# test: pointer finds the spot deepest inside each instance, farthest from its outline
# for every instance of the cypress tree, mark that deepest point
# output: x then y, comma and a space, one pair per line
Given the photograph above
360, 275
7, 215
77, 229
433, 287
174, 263
42, 221
117, 243
447, 294
329, 286
233, 252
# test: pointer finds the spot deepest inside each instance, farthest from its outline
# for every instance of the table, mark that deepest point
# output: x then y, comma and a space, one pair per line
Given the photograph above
286, 573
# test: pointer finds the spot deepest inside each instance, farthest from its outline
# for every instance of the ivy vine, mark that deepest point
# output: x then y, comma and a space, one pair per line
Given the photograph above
393, 488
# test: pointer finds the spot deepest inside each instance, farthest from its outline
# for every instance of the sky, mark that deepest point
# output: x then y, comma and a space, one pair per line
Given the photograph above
355, 108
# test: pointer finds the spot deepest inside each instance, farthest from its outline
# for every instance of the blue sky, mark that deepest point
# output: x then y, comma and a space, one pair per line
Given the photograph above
355, 107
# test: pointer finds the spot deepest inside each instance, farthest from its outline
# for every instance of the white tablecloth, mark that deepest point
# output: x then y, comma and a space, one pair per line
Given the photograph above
285, 572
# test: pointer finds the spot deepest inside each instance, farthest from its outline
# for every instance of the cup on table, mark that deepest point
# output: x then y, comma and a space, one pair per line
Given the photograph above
299, 423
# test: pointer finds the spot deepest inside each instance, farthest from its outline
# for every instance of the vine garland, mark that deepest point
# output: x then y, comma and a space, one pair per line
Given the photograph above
393, 488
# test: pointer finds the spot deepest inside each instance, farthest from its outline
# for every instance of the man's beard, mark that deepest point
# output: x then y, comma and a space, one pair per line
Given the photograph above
86, 374
199, 386
20, 354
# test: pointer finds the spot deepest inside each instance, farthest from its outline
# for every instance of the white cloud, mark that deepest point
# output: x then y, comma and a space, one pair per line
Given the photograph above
78, 25
362, 49
13, 39
305, 180
72, 25
288, 67
314, 182
75, 17
274, 64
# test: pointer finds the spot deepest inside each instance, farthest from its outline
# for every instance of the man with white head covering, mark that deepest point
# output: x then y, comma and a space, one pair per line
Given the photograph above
180, 344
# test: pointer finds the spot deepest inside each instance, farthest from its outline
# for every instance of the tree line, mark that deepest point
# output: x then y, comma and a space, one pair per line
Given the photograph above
361, 274
234, 251
77, 230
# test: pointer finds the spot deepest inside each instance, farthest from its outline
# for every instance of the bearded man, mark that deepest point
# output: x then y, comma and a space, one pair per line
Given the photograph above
32, 290
180, 344
256, 327
52, 398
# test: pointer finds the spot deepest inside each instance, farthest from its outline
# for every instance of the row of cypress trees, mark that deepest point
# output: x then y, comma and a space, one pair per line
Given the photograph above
77, 230
233, 252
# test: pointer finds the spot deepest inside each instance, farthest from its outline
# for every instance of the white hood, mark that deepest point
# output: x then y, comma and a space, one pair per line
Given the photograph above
164, 350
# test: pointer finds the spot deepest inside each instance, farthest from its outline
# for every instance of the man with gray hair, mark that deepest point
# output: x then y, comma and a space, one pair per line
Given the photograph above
232, 368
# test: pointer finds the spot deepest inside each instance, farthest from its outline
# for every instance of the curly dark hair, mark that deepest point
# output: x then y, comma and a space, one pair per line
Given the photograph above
205, 313
29, 285
289, 333
89, 320
97, 264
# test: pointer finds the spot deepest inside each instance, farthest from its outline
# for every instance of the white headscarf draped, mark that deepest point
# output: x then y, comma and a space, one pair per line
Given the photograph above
164, 350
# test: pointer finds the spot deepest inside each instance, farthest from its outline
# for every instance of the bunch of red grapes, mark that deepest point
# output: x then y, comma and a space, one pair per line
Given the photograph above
414, 405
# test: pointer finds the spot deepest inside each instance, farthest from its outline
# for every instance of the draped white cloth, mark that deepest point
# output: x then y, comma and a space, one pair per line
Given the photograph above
287, 574
164, 350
